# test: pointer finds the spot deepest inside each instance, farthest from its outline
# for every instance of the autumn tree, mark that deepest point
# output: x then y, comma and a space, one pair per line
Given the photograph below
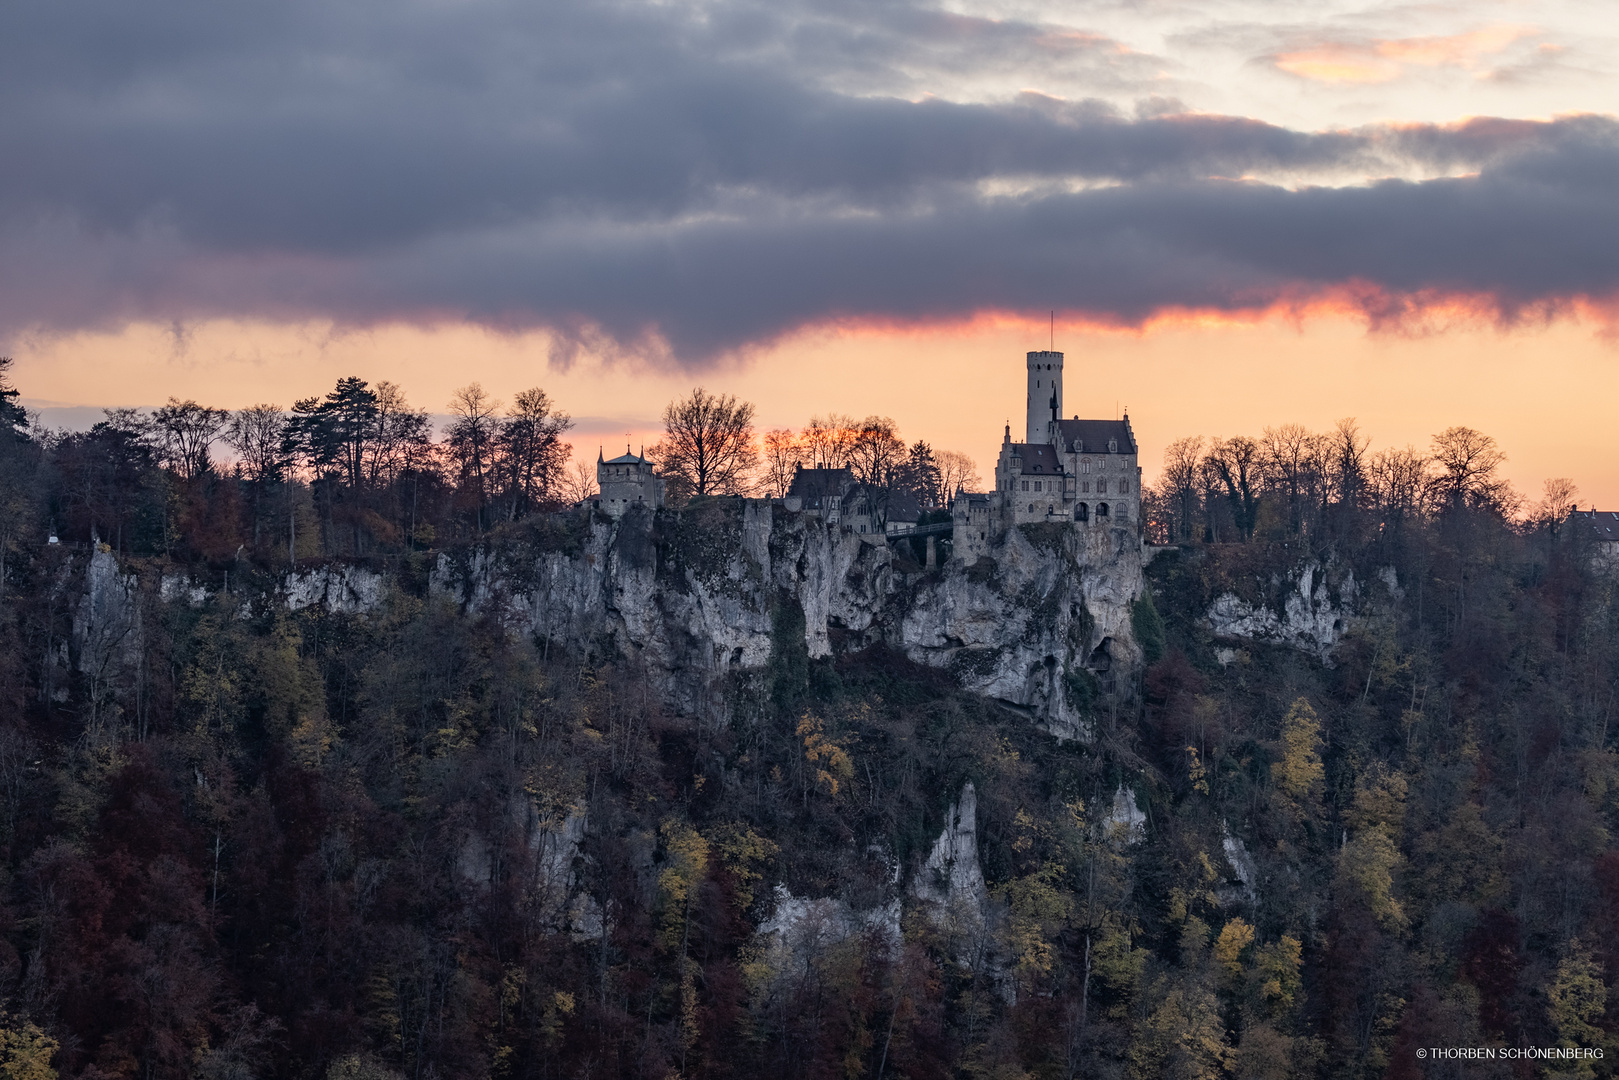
708, 446
827, 440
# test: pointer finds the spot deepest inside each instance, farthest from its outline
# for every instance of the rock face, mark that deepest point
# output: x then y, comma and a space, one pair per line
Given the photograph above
951, 883
699, 595
1317, 608
720, 590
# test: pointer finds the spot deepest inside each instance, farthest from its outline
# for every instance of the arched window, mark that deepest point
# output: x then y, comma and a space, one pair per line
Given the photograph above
1082, 512
1101, 487
1124, 485
1101, 510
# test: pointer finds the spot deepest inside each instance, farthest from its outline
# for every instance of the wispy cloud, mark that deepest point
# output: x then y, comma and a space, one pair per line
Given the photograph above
1373, 61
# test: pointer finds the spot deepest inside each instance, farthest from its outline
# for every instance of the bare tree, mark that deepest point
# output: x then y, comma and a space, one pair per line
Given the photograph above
185, 431
472, 439
1292, 459
400, 436
1237, 465
1555, 505
255, 433
957, 472
1180, 485
1346, 464
707, 448
1469, 472
877, 457
578, 483
533, 452
782, 452
1398, 481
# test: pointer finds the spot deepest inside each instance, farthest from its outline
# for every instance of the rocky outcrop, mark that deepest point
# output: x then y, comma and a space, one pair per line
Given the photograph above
718, 591
1318, 604
697, 596
950, 884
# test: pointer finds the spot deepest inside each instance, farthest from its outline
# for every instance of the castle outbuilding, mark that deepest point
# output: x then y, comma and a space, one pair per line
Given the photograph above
625, 481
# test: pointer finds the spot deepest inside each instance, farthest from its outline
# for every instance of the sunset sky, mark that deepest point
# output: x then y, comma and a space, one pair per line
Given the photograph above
1243, 213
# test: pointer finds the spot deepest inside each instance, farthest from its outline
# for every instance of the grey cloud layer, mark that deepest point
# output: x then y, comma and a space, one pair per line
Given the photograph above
699, 176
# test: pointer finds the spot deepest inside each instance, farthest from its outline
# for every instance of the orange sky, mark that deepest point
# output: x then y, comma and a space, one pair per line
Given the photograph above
1545, 393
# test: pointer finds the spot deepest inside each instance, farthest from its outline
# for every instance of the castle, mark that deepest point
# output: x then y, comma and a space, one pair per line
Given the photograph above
1079, 471
625, 481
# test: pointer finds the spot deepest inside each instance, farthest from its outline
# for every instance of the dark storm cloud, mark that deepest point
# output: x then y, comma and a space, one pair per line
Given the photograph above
702, 175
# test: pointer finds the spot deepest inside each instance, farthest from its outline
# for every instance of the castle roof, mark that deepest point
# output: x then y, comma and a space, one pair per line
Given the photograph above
904, 507
1091, 436
628, 459
1037, 457
818, 483
1603, 524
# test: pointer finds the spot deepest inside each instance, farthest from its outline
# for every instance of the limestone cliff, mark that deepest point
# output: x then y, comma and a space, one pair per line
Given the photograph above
696, 596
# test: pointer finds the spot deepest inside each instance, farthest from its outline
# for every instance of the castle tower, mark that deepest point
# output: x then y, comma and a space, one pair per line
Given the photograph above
1045, 394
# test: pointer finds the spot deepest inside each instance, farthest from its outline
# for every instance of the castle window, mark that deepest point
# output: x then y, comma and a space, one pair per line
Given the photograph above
1025, 485
1085, 465
1101, 510
1082, 512
1124, 485
1101, 487
1037, 485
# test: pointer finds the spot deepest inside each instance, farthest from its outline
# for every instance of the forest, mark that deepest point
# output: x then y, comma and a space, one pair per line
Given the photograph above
307, 843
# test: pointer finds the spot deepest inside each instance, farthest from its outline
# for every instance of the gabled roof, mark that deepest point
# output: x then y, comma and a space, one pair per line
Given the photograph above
1037, 457
818, 483
1091, 436
1603, 524
902, 506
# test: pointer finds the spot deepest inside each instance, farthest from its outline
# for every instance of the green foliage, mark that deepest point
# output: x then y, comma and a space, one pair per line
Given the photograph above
1148, 627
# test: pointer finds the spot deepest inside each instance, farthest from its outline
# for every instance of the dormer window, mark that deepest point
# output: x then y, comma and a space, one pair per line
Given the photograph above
1113, 446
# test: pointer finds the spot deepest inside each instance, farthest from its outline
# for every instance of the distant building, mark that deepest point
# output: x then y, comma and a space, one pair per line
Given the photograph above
1599, 528
626, 481
819, 492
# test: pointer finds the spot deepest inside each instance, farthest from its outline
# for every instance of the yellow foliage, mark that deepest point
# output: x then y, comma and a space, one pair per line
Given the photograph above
311, 739
1196, 771
1234, 937
1300, 773
1279, 967
1183, 1037
25, 1051
687, 854
1368, 862
831, 762
1116, 965
1577, 997
743, 850
1379, 801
